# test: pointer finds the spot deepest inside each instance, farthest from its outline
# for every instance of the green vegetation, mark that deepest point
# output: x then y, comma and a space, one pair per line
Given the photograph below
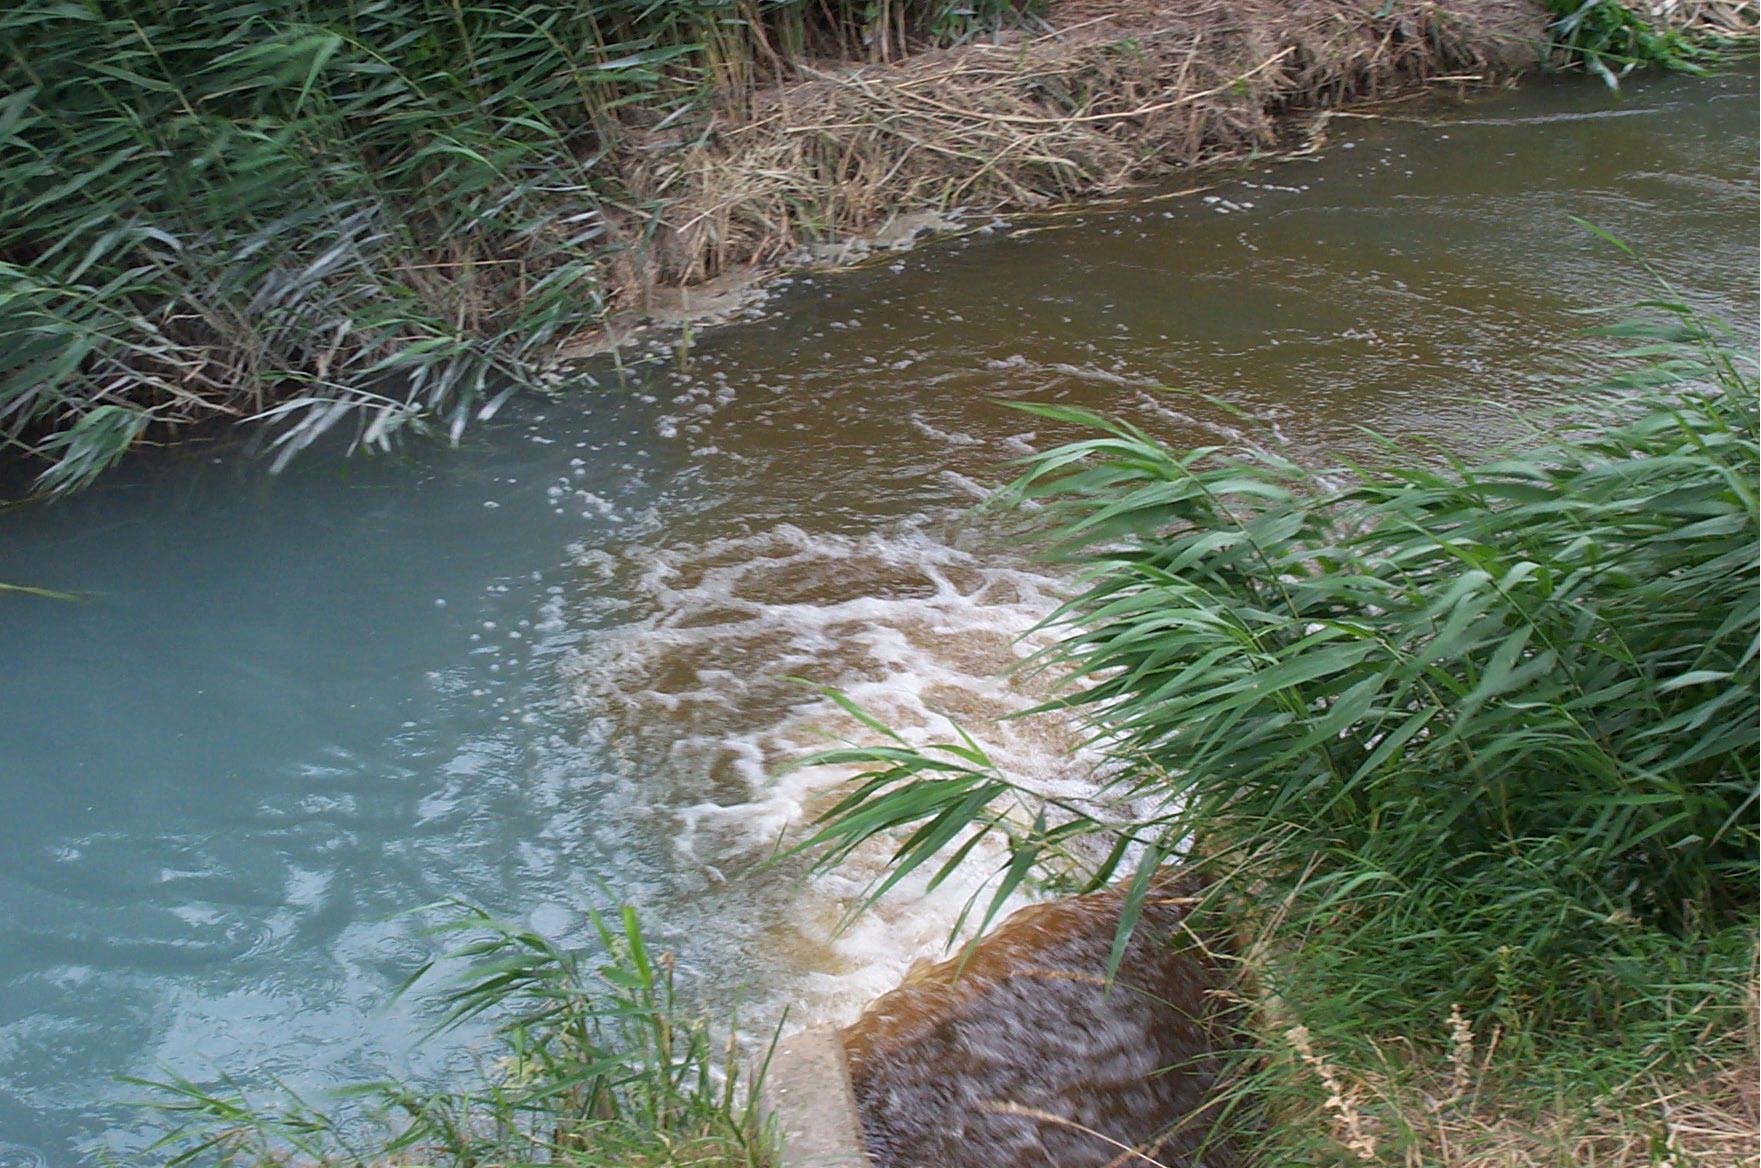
380, 213
383, 215
1465, 750
1611, 40
599, 1065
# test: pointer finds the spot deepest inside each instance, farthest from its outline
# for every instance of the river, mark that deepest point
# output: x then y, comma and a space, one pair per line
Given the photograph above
548, 670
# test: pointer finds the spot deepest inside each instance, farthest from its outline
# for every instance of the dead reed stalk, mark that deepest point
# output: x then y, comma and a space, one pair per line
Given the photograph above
1115, 93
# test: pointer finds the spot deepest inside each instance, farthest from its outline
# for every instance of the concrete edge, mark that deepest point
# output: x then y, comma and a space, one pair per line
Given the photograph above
807, 1093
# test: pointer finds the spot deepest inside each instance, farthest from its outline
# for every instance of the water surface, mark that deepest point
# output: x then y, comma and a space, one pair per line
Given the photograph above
547, 671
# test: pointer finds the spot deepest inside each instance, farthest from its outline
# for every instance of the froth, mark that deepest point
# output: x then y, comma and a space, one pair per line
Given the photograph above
712, 682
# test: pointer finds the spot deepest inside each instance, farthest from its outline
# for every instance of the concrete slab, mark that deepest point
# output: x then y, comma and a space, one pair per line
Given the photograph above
807, 1093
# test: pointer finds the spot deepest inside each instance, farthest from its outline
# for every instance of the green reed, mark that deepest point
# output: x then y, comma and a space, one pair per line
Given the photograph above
1452, 734
597, 1064
1611, 39
375, 213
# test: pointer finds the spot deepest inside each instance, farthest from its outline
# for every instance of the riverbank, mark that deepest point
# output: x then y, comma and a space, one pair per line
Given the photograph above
222, 805
318, 232
1111, 94
1462, 758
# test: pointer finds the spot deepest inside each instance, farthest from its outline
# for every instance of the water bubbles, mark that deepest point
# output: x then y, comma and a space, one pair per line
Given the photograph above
19, 1156
693, 692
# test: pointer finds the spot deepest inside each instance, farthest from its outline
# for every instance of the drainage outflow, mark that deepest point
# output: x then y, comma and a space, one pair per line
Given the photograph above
1023, 1053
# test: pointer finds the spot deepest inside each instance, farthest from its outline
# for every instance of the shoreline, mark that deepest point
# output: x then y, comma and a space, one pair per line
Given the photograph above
1112, 95
673, 219
1199, 94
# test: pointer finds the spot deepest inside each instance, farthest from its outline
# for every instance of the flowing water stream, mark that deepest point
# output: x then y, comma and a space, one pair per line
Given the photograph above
549, 671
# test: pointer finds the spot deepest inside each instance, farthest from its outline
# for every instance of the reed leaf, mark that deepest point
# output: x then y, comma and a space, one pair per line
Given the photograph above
315, 214
599, 1064
1483, 732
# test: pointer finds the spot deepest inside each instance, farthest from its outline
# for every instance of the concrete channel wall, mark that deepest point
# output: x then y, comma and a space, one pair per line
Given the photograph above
807, 1094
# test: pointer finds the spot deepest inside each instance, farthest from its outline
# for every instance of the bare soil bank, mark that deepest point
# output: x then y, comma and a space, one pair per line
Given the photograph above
1112, 92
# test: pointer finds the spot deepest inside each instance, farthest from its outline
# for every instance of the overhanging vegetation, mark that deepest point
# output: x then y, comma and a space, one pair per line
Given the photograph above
1466, 752
384, 216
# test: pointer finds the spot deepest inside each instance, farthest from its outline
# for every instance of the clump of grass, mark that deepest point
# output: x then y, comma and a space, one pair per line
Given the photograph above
329, 212
599, 1065
1611, 39
1457, 1097
1463, 749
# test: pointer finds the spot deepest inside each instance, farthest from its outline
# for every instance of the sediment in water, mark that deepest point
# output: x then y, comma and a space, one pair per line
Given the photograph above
708, 688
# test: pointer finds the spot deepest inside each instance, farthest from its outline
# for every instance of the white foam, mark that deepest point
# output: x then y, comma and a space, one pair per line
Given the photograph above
691, 690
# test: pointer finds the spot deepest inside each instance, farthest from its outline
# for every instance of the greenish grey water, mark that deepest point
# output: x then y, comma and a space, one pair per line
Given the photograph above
544, 672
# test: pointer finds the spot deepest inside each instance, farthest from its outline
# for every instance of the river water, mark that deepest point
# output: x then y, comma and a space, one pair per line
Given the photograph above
549, 670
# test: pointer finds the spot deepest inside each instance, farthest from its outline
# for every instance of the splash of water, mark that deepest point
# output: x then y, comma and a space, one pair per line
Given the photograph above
1022, 1054
712, 681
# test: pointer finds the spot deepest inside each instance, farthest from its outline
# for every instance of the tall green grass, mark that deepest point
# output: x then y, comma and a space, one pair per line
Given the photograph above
598, 1066
1451, 734
378, 215
372, 213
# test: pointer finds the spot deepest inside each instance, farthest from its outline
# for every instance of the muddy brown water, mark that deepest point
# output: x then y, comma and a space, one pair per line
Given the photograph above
1022, 1052
549, 671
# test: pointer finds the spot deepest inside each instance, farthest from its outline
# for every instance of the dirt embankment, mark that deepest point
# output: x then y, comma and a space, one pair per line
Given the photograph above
1105, 93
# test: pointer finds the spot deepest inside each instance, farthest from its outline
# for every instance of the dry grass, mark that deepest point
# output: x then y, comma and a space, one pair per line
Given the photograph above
1458, 1107
1115, 93
1718, 18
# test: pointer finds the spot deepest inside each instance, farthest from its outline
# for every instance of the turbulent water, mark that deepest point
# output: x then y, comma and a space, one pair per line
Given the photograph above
708, 687
1021, 1053
556, 669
